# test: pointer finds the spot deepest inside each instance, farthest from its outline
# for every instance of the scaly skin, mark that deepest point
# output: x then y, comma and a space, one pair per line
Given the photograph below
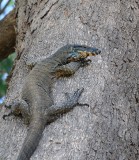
36, 105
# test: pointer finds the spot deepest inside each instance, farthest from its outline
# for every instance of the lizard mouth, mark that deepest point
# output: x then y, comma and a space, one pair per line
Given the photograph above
87, 54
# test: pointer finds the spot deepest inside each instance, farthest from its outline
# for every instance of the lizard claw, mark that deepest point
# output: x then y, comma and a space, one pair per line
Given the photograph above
4, 116
7, 115
7, 106
83, 104
85, 62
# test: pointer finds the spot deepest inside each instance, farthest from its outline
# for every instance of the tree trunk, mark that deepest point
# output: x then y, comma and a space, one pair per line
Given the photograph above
108, 129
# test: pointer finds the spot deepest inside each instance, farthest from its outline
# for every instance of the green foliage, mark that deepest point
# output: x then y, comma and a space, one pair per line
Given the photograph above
5, 67
12, 2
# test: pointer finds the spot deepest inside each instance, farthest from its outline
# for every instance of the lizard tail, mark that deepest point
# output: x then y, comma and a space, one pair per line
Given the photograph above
32, 139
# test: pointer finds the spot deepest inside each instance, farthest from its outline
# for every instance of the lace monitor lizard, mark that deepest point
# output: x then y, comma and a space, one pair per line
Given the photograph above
36, 106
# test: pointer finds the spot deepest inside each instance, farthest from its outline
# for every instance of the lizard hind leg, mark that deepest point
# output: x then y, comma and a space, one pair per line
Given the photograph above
70, 103
19, 107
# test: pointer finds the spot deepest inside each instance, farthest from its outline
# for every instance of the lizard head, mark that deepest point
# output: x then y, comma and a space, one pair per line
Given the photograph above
79, 52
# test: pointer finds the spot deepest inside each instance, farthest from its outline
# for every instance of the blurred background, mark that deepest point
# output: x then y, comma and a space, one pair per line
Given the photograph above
5, 65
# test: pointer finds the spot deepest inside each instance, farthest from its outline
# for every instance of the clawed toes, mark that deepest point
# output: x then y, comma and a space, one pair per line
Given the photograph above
72, 99
86, 63
7, 106
7, 115
4, 116
83, 104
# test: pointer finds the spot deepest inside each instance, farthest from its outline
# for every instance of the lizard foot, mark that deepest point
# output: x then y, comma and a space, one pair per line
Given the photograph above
13, 110
72, 100
19, 108
85, 62
7, 106
7, 115
10, 112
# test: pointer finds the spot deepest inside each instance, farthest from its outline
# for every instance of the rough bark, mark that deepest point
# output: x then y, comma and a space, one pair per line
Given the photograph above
7, 35
108, 129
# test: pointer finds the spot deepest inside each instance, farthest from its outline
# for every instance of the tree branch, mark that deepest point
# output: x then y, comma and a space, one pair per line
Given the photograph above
7, 35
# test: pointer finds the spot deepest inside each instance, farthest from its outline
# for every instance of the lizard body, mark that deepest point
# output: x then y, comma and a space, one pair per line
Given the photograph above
37, 106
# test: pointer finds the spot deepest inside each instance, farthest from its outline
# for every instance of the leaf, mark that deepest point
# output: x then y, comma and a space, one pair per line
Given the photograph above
12, 2
5, 67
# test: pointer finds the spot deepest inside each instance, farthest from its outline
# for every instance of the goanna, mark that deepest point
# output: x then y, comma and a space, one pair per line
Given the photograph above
36, 106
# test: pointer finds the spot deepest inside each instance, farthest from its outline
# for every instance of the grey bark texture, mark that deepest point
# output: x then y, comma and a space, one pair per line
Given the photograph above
108, 129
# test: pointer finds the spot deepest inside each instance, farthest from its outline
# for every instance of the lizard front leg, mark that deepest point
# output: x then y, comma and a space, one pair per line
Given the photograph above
70, 68
67, 70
